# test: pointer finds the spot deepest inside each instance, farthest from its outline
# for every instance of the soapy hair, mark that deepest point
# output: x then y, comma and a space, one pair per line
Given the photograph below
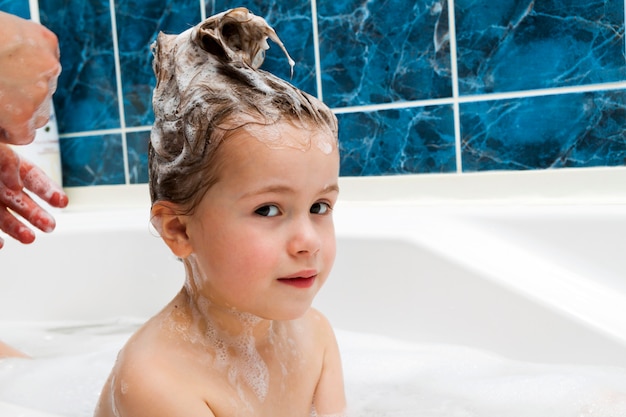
208, 86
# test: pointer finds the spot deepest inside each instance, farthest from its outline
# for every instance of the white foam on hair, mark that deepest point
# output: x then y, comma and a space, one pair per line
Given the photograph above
184, 62
208, 84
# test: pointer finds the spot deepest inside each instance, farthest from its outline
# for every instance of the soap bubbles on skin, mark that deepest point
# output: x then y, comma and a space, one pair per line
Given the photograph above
24, 131
235, 355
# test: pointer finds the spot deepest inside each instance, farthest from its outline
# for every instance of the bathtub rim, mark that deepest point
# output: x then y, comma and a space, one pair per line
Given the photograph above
122, 207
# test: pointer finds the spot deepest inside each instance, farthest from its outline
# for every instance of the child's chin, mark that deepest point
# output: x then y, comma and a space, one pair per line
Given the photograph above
293, 313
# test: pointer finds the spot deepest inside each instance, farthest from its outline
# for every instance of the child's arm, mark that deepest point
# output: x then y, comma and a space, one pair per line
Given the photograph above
330, 397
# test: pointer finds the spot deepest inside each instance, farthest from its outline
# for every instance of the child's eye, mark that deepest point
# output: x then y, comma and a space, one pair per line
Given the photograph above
320, 208
268, 211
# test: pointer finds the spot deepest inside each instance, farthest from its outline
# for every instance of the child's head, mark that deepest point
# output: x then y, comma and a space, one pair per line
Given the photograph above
243, 170
208, 88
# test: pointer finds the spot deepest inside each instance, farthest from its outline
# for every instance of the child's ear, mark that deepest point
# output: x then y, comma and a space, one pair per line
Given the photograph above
172, 227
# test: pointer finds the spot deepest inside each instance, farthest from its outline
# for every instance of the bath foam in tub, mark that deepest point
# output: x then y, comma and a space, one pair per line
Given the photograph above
385, 377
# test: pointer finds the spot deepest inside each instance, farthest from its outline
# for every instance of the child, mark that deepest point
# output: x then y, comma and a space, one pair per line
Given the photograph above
243, 178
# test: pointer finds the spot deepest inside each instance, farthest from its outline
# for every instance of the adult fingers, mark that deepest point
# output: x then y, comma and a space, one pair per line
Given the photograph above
40, 184
18, 135
23, 205
9, 169
14, 228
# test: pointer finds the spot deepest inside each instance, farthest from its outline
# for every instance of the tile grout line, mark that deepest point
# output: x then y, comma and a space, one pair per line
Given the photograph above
120, 96
316, 50
203, 11
34, 10
455, 87
543, 92
100, 132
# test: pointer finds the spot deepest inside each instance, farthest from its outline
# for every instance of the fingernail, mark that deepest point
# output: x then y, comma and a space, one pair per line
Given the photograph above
26, 236
45, 223
59, 200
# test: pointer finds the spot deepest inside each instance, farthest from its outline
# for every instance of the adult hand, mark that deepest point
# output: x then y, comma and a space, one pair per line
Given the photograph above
29, 68
16, 176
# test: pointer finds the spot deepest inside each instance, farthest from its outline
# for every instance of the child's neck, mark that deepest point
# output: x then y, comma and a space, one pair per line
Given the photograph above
225, 322
239, 342
219, 321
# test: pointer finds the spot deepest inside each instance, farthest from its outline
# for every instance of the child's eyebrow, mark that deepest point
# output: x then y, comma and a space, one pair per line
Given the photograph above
330, 188
284, 189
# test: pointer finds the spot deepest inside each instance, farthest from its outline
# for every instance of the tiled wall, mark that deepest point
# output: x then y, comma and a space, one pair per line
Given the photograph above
419, 86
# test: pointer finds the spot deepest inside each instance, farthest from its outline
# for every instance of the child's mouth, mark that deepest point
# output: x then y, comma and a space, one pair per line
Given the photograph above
299, 282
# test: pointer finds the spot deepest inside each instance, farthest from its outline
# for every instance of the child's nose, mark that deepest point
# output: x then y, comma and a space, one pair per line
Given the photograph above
305, 238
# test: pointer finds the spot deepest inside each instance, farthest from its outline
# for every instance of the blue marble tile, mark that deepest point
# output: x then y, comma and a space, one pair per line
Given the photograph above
569, 130
513, 45
137, 147
138, 24
86, 97
378, 52
405, 141
372, 52
293, 24
17, 7
92, 160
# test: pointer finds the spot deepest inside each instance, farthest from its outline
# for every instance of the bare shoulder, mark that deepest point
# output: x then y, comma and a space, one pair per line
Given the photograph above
136, 377
329, 398
320, 330
319, 323
149, 378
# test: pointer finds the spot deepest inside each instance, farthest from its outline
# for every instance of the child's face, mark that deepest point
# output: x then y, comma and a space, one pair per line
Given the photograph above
263, 235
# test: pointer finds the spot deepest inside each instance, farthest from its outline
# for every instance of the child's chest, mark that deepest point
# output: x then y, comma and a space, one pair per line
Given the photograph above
274, 381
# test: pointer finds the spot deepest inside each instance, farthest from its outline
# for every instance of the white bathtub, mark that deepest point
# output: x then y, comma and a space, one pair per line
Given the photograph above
527, 278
